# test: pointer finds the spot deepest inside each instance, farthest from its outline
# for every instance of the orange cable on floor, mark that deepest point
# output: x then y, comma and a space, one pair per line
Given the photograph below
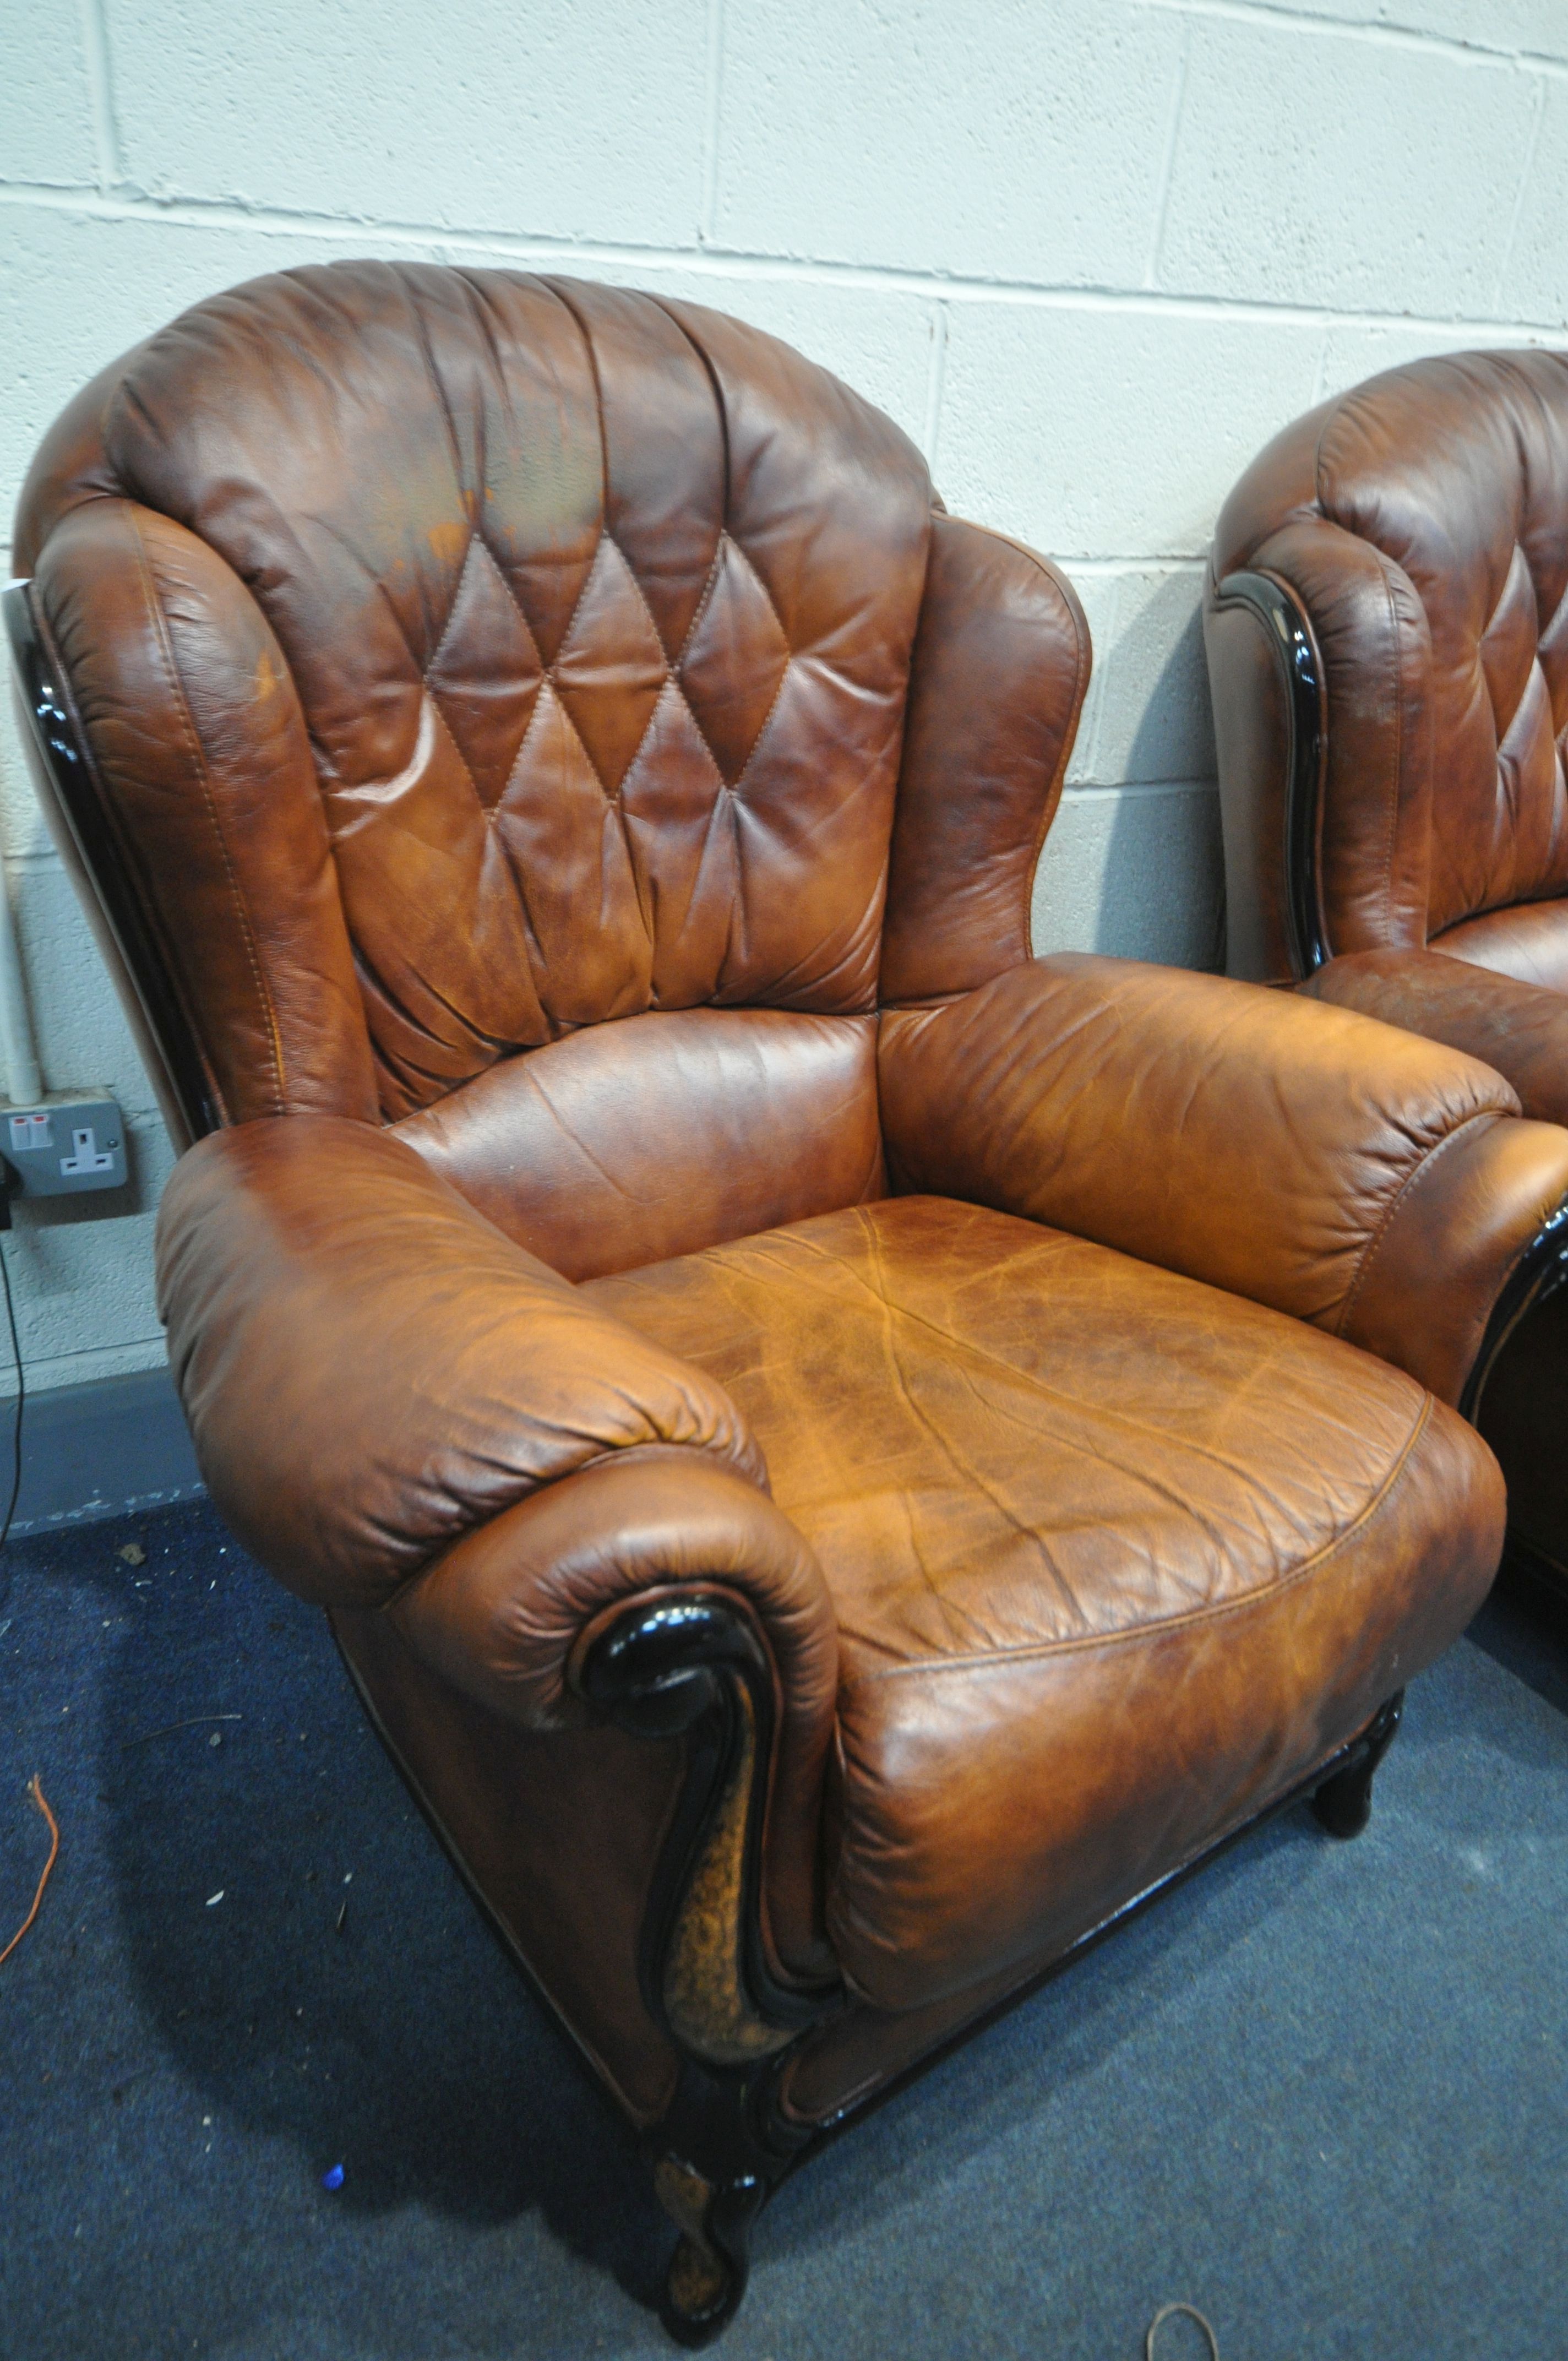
35, 1791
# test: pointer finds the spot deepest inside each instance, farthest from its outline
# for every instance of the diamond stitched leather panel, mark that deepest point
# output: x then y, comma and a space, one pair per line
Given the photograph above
599, 612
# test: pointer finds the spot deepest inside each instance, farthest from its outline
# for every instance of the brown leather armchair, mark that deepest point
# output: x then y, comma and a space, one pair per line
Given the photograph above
1386, 622
836, 1453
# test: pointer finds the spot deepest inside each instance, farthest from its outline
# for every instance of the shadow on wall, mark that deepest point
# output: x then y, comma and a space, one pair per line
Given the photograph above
1133, 863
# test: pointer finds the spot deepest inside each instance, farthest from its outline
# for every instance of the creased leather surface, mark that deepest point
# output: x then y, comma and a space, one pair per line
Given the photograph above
1419, 518
631, 1142
1000, 667
1520, 1028
1114, 1556
1207, 1126
591, 602
369, 1370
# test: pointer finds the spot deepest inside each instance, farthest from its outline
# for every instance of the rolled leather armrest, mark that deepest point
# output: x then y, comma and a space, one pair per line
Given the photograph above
510, 1613
370, 1369
1519, 1028
1377, 1185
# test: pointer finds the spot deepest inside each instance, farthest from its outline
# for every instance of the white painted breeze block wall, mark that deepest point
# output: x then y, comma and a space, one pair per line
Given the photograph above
1090, 253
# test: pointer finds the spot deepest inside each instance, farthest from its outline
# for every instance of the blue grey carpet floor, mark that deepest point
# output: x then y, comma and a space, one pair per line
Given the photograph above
1319, 2091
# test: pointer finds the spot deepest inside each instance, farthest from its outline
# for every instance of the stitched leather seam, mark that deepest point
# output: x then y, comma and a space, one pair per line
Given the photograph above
1370, 1252
767, 718
726, 535
188, 725
434, 657
705, 364
1263, 1594
704, 602
752, 568
499, 572
670, 682
642, 600
486, 811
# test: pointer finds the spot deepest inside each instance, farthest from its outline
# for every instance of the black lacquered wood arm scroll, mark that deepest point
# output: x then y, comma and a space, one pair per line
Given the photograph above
1540, 1271
1288, 634
696, 1665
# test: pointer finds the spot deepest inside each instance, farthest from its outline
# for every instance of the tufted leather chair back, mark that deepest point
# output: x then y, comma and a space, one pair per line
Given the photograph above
464, 660
558, 637
1423, 518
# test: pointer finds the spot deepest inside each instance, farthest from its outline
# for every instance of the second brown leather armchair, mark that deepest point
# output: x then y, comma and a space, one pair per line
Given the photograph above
1387, 622
836, 1454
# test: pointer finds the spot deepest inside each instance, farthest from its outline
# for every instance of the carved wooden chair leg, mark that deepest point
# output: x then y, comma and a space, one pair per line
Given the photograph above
708, 2270
719, 2154
1344, 1802
694, 1665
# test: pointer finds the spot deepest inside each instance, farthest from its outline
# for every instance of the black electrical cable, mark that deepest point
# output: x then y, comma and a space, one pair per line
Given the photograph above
21, 1401
7, 1182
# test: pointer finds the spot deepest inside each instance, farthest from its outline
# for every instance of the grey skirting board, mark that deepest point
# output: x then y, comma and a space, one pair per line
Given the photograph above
104, 1449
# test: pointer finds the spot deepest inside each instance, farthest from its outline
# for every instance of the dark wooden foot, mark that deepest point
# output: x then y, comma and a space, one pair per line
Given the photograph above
1344, 1802
708, 2269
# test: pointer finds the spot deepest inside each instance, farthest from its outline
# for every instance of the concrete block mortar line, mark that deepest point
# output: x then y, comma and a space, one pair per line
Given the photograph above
935, 381
1475, 52
719, 262
101, 97
1520, 194
1167, 167
712, 102
47, 1370
1101, 564
1086, 754
1089, 790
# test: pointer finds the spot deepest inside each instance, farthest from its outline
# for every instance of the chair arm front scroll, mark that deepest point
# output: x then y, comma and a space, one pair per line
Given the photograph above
396, 1407
1303, 1156
656, 1590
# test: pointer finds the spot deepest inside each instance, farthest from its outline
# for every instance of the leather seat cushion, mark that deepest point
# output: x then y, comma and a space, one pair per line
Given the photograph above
1529, 941
1117, 1558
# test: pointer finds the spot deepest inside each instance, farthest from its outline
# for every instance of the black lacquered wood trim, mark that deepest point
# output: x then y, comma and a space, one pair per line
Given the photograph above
1289, 635
67, 772
1343, 1804
1540, 1271
695, 1666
